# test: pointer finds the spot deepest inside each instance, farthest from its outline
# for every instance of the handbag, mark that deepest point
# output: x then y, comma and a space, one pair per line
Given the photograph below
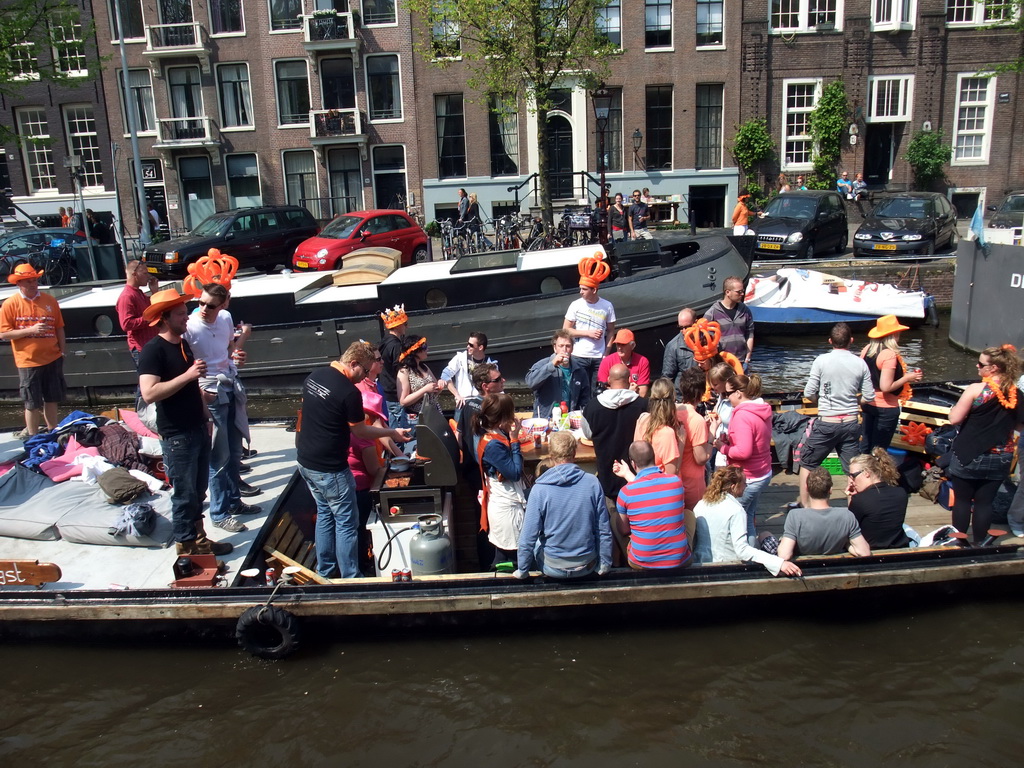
939, 443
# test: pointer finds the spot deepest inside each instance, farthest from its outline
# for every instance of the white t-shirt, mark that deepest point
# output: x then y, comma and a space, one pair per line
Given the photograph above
587, 316
209, 342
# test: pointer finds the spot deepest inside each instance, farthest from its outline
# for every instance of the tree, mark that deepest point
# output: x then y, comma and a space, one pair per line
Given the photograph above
828, 125
520, 52
42, 41
752, 147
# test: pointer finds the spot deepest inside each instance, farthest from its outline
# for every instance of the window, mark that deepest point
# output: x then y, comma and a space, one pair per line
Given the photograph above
84, 142
299, 177
139, 99
384, 87
235, 96
337, 84
893, 14
42, 173
243, 181
973, 120
806, 15
22, 58
292, 93
799, 96
379, 12
612, 135
890, 99
609, 22
503, 124
344, 174
978, 12
659, 126
451, 135
658, 24
226, 17
709, 126
285, 15
186, 101
389, 175
445, 38
131, 17
68, 46
710, 23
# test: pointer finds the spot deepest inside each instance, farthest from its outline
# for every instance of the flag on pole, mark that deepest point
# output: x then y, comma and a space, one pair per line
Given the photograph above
978, 229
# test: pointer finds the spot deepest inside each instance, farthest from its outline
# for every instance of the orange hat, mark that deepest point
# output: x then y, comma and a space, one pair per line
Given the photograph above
214, 267
161, 302
624, 336
23, 272
702, 337
593, 270
885, 325
394, 317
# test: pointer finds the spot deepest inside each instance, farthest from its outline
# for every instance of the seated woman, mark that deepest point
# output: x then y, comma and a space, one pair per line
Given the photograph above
877, 501
722, 526
503, 499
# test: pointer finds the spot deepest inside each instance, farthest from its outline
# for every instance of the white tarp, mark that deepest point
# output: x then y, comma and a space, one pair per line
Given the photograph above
792, 287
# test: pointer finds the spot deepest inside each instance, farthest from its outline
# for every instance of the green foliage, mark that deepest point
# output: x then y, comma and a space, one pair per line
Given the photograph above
433, 229
827, 126
753, 147
927, 156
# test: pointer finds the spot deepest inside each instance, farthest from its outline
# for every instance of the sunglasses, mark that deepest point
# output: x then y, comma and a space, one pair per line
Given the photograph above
855, 475
731, 392
982, 365
208, 305
495, 381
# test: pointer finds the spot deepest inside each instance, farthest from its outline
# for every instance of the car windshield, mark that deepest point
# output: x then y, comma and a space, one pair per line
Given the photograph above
786, 206
1012, 204
903, 208
212, 225
341, 227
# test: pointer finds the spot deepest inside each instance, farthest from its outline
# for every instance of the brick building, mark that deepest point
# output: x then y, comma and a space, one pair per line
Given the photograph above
908, 65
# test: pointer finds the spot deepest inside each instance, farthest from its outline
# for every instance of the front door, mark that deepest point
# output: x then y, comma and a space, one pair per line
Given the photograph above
196, 189
878, 154
559, 158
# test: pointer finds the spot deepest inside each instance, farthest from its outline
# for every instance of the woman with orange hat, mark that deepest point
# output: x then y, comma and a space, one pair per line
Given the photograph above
891, 379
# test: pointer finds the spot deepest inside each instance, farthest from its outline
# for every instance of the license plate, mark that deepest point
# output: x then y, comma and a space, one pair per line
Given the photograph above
302, 264
885, 247
151, 269
770, 246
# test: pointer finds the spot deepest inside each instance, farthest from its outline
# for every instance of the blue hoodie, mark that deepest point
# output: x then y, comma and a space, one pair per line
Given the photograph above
567, 515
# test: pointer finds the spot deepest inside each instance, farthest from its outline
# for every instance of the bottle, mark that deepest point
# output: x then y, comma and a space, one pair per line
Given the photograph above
556, 415
563, 407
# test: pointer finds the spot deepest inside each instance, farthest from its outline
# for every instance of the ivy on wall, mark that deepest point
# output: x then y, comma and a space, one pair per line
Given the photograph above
827, 126
753, 147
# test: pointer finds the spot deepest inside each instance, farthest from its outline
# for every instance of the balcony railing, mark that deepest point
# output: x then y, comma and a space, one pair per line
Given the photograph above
176, 38
186, 132
327, 124
337, 31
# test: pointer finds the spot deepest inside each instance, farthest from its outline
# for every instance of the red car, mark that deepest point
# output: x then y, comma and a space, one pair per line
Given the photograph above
362, 229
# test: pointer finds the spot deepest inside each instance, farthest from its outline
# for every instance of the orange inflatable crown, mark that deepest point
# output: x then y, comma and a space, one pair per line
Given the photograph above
593, 270
702, 337
394, 317
214, 267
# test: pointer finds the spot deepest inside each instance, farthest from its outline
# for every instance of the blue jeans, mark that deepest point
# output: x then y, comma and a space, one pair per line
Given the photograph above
187, 459
225, 455
879, 425
337, 522
397, 418
561, 573
591, 365
749, 503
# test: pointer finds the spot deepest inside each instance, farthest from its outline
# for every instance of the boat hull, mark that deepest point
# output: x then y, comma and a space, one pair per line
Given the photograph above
798, 321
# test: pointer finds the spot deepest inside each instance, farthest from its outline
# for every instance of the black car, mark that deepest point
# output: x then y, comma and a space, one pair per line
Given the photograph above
908, 223
258, 237
1009, 213
801, 224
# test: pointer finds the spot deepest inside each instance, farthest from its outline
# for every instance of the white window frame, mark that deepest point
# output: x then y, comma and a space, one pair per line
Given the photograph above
125, 92
373, 166
239, 33
220, 98
270, 22
114, 38
382, 23
818, 84
83, 144
610, 18
905, 85
72, 35
893, 15
978, 15
804, 22
277, 93
284, 171
44, 152
232, 198
671, 32
988, 103
401, 92
713, 46
26, 60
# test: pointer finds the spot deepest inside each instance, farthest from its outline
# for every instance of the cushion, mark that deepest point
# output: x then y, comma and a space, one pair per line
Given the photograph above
134, 423
90, 521
25, 513
64, 466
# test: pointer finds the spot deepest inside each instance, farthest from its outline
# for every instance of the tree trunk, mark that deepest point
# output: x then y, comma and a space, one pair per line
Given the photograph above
546, 211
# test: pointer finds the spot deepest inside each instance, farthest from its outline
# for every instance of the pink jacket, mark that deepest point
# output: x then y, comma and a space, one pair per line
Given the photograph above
750, 439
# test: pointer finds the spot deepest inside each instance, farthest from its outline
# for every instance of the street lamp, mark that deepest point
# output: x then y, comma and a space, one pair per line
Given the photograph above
638, 140
602, 98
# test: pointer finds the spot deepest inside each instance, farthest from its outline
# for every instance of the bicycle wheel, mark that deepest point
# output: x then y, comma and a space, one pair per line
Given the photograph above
57, 271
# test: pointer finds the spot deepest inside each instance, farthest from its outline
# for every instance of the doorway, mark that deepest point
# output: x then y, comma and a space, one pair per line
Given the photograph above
559, 158
196, 189
881, 144
707, 205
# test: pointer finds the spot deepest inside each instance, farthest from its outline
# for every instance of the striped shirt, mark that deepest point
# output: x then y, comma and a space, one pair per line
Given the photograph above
653, 502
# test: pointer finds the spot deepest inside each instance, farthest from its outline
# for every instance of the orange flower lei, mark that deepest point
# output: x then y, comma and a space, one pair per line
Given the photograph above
907, 392
1006, 402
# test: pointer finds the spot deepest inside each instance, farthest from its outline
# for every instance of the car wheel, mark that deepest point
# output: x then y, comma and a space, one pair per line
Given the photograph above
419, 255
954, 239
809, 250
841, 245
929, 249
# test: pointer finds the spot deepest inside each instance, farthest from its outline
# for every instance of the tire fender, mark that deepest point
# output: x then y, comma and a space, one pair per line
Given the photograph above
268, 632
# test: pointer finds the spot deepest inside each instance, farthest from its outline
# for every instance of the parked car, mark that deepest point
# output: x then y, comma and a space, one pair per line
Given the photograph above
1009, 213
910, 222
258, 237
36, 246
801, 224
362, 229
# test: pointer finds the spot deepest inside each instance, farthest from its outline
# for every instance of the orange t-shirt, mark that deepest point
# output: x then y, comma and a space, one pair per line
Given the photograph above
692, 425
17, 313
886, 360
665, 441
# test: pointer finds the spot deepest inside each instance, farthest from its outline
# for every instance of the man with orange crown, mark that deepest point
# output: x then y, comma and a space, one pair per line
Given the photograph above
32, 322
703, 339
590, 320
396, 323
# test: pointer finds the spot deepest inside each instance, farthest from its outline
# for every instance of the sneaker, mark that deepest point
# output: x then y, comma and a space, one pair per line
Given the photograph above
244, 469
248, 453
245, 509
230, 524
25, 435
794, 505
244, 489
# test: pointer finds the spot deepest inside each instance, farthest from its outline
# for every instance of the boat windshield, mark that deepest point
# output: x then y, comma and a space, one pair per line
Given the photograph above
903, 208
792, 207
341, 227
1012, 204
212, 225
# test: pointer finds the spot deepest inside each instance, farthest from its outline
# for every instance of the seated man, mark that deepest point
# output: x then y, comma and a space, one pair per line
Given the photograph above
638, 365
561, 377
651, 513
818, 529
565, 531
844, 186
859, 187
